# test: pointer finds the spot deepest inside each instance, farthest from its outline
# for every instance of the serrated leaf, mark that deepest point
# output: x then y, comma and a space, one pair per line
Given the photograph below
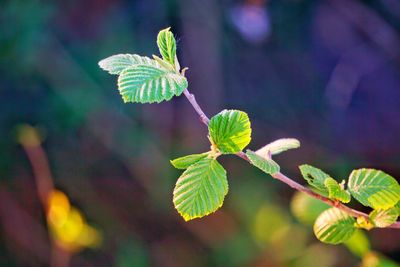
167, 45
384, 218
335, 191
267, 165
201, 189
374, 188
306, 209
314, 177
334, 226
230, 131
150, 83
278, 146
186, 161
117, 63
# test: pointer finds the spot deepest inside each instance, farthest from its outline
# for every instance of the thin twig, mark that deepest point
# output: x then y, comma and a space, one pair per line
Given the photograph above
41, 172
283, 178
203, 117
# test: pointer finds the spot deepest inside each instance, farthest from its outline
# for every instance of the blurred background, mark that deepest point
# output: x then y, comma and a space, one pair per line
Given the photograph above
325, 72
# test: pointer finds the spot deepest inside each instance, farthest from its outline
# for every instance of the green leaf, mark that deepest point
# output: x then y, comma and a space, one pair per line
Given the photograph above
358, 244
201, 189
230, 131
278, 146
150, 83
314, 177
384, 218
336, 191
167, 45
117, 63
397, 206
334, 226
267, 165
163, 63
306, 208
374, 188
186, 161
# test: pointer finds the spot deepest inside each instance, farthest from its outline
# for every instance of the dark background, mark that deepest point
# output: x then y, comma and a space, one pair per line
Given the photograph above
325, 72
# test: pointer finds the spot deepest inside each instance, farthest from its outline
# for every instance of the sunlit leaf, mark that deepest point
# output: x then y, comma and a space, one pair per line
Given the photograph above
150, 83
167, 45
201, 189
314, 177
336, 191
117, 63
230, 131
384, 218
334, 226
374, 188
306, 208
186, 161
397, 206
163, 63
267, 165
278, 146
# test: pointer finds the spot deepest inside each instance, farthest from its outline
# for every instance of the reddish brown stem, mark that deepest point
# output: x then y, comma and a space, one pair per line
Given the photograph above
283, 178
44, 182
41, 172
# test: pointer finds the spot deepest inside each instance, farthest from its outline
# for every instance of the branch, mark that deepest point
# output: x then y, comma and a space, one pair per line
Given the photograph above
283, 178
41, 172
59, 257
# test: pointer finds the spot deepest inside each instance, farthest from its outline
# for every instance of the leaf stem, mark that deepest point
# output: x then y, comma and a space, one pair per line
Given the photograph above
283, 178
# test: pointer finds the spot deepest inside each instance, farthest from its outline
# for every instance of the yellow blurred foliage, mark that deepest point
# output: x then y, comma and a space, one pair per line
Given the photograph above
28, 135
68, 226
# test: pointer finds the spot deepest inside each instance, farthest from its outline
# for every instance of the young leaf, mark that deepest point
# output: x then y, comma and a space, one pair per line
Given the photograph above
117, 63
167, 45
201, 189
267, 165
364, 223
374, 188
334, 226
230, 131
384, 218
186, 161
306, 209
278, 146
163, 63
314, 177
335, 191
150, 83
